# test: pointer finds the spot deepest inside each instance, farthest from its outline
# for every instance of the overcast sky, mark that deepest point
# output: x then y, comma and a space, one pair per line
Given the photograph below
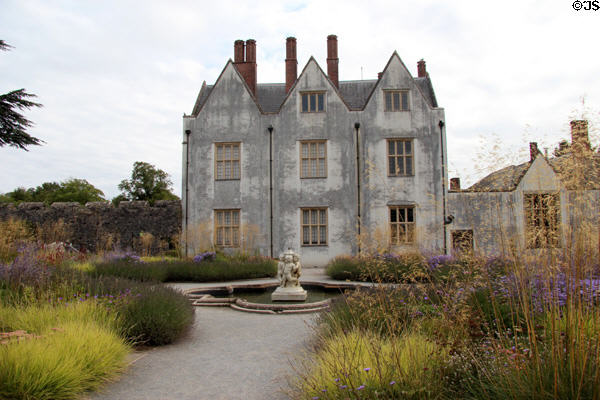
116, 76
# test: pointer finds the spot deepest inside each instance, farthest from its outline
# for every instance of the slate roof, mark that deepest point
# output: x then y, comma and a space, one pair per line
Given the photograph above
270, 96
507, 179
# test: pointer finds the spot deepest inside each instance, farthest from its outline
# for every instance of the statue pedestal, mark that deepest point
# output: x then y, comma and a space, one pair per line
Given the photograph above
294, 293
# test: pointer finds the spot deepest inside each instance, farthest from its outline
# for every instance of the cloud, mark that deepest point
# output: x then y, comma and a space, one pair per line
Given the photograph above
115, 77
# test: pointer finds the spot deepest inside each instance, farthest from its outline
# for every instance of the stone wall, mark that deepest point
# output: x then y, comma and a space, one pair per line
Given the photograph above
99, 225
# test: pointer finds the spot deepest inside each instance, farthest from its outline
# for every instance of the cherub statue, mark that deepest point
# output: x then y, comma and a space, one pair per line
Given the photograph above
289, 269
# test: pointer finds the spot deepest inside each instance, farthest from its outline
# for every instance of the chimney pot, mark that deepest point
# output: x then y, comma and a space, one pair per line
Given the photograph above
333, 60
250, 50
579, 136
533, 151
291, 63
455, 184
238, 51
421, 69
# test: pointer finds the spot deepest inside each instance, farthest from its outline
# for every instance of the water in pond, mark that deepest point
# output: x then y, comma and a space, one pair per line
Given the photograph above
263, 296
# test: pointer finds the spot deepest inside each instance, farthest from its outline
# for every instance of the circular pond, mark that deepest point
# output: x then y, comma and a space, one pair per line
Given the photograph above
257, 297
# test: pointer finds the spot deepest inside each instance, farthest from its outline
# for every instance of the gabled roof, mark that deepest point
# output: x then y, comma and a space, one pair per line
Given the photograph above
507, 179
355, 94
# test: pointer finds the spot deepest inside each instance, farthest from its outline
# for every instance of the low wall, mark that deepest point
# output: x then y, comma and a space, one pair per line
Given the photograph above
100, 225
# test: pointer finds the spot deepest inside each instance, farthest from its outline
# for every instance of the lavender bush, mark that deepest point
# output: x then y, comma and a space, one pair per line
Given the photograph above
206, 256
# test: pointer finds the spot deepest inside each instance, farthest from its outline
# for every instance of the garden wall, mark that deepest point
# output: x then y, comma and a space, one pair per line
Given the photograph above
100, 225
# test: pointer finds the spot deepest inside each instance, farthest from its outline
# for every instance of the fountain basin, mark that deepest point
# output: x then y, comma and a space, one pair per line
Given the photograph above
257, 297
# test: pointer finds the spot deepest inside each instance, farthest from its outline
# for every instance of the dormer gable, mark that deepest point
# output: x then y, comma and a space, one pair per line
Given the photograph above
229, 89
540, 176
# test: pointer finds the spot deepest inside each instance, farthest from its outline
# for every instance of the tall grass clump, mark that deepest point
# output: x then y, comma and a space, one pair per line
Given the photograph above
58, 352
365, 365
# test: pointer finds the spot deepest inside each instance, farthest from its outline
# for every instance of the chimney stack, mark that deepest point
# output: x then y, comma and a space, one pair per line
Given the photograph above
332, 60
579, 136
238, 51
533, 151
245, 61
291, 63
455, 184
421, 70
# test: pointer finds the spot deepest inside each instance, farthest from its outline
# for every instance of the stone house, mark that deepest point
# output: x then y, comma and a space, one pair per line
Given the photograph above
543, 203
315, 164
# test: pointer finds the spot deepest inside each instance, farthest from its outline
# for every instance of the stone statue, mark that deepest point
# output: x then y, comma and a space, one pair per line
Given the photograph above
288, 273
289, 269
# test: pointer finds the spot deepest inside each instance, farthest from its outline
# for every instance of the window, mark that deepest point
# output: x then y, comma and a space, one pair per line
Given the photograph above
396, 100
400, 157
313, 159
314, 226
462, 241
542, 216
402, 225
227, 228
313, 102
227, 161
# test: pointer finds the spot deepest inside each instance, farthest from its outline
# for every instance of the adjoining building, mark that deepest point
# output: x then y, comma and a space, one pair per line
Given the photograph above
328, 167
543, 203
315, 164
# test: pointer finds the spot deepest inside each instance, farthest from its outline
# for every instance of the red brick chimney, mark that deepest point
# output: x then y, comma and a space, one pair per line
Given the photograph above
579, 136
238, 51
291, 63
421, 70
533, 151
246, 63
455, 184
332, 60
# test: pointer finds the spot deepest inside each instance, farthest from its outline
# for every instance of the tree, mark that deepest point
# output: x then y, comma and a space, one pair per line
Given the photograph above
147, 183
13, 124
71, 190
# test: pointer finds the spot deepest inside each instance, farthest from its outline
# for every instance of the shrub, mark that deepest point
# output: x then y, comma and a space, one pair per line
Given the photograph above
13, 234
157, 317
344, 268
63, 350
60, 365
363, 365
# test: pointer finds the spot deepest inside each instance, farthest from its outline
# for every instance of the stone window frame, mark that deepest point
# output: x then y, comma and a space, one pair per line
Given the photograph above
406, 160
320, 171
408, 225
232, 161
321, 228
396, 100
229, 230
541, 214
320, 100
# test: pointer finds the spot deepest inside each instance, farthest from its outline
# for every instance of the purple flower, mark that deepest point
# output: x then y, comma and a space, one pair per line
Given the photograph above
367, 369
361, 387
343, 386
392, 382
337, 379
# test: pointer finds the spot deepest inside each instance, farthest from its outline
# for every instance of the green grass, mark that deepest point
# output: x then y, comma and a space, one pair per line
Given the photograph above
76, 349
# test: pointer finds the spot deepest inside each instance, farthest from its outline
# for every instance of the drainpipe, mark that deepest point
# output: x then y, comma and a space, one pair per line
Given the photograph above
446, 221
356, 128
187, 166
270, 129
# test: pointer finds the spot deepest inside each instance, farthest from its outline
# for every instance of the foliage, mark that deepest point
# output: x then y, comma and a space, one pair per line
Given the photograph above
363, 365
58, 352
13, 124
219, 269
158, 316
70, 190
147, 183
13, 233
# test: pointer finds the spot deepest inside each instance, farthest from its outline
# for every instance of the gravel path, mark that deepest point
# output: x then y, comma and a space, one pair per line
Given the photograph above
227, 355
